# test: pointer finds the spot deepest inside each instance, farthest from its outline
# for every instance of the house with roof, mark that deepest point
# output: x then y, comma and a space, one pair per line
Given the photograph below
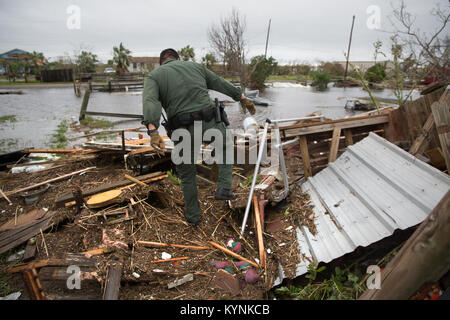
143, 64
12, 55
15, 55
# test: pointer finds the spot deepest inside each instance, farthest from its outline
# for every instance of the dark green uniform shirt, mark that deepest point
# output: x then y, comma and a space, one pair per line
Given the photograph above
181, 87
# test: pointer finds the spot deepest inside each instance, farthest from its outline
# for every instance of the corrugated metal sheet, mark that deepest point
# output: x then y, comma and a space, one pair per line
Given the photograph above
372, 189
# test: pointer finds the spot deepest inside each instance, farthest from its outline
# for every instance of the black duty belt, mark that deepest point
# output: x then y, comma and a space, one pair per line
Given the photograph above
186, 119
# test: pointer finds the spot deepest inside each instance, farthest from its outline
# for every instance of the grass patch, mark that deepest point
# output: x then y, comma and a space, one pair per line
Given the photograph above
96, 123
8, 118
346, 284
59, 139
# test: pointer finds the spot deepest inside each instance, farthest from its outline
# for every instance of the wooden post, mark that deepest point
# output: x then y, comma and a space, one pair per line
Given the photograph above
421, 143
424, 258
112, 285
305, 156
348, 137
441, 115
84, 104
334, 144
262, 252
123, 142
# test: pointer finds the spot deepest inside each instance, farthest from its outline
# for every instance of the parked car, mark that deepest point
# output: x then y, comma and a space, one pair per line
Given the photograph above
110, 70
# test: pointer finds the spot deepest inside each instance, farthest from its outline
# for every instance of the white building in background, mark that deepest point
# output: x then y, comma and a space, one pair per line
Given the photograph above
364, 65
143, 64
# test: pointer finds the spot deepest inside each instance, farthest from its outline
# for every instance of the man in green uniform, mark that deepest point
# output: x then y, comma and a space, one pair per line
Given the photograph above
181, 88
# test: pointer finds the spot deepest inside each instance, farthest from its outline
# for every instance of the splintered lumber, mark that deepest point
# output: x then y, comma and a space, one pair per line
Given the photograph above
334, 144
30, 251
60, 201
135, 181
346, 123
421, 143
231, 253
348, 137
163, 245
67, 259
34, 285
14, 233
262, 252
441, 115
305, 156
170, 260
103, 199
66, 176
112, 285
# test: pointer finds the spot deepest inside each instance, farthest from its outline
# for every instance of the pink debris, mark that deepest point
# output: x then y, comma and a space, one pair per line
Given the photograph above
251, 276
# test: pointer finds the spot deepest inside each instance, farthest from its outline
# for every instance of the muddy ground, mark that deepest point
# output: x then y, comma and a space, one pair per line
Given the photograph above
153, 219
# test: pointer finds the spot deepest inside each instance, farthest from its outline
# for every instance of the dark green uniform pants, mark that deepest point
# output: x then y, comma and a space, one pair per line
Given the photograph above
188, 172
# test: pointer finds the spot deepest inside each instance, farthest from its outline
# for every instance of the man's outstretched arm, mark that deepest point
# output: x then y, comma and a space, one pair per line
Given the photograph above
151, 106
214, 82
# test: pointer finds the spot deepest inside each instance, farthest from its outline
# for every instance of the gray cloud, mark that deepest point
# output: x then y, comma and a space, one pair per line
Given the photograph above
301, 30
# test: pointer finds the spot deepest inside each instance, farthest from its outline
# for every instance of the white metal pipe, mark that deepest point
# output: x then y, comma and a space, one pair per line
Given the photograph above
255, 175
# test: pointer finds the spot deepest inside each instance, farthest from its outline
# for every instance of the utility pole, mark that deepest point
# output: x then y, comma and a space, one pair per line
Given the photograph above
267, 39
348, 51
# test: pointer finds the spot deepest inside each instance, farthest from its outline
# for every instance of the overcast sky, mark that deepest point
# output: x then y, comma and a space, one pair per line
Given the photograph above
301, 30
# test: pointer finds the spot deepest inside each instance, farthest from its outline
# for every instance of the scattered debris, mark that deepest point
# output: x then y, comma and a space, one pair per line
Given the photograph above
179, 282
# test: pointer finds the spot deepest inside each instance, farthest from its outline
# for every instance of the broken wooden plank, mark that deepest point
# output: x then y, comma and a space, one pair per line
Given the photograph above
262, 252
62, 274
348, 137
66, 176
11, 238
235, 255
334, 144
30, 251
155, 176
441, 115
421, 143
65, 260
305, 156
34, 285
347, 123
135, 180
112, 285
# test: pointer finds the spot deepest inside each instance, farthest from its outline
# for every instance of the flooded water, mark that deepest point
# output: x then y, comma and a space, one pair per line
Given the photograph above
39, 111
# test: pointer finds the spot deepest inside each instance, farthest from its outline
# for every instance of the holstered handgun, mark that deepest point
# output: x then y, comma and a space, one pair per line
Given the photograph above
223, 114
218, 111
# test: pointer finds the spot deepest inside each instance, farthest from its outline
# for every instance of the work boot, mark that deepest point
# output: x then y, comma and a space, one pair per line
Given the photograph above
193, 222
224, 194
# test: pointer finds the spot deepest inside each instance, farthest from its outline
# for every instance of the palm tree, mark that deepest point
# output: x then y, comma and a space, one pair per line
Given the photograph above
187, 53
121, 59
37, 59
208, 60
